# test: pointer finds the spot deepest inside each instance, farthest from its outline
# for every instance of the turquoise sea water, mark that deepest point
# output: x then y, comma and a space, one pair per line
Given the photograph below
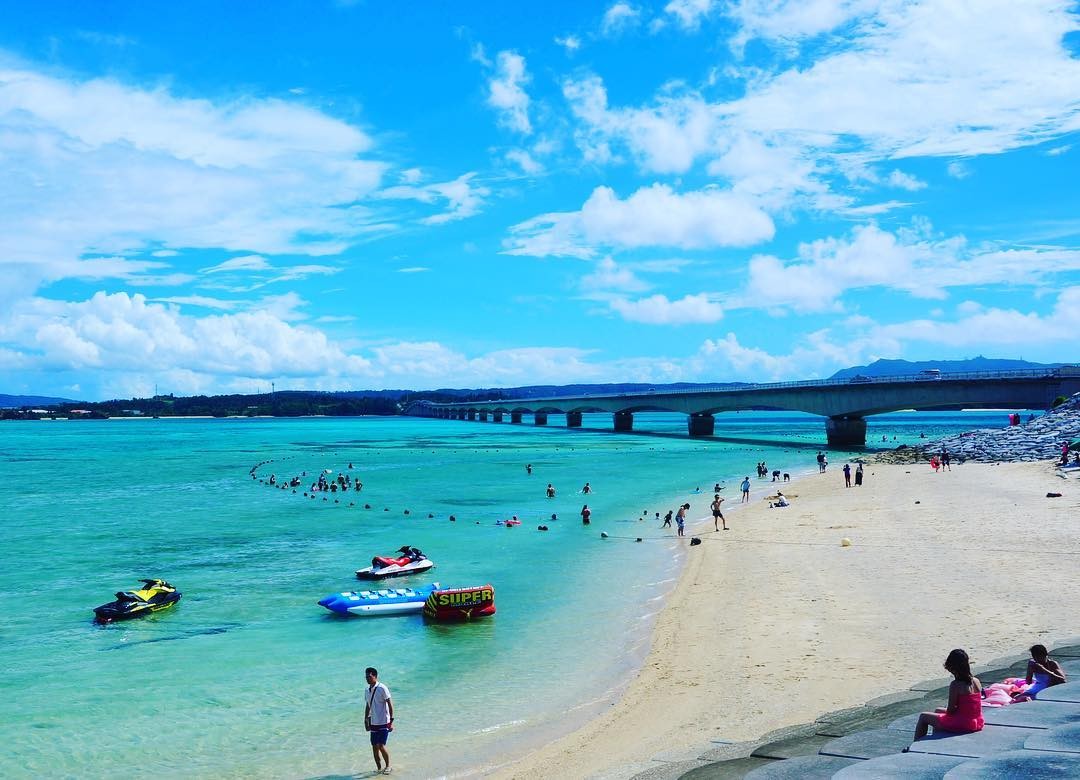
247, 676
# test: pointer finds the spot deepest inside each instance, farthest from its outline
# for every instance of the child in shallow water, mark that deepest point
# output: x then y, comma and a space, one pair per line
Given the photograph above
963, 715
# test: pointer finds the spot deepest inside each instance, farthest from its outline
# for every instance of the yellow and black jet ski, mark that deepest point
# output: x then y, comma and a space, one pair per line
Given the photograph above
156, 596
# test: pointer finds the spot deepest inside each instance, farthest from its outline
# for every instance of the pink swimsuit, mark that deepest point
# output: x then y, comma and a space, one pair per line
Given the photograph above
967, 718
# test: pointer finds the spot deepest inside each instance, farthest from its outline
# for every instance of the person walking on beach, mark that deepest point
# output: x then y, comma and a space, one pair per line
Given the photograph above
680, 518
858, 476
716, 513
667, 520
847, 475
820, 462
945, 460
745, 487
378, 718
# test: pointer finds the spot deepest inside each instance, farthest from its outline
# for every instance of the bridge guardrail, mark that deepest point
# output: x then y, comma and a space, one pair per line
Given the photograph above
1021, 373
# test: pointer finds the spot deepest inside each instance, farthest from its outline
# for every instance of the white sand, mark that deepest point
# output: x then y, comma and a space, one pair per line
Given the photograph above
774, 623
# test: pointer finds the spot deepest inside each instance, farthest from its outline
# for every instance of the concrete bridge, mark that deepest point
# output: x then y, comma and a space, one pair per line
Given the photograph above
845, 404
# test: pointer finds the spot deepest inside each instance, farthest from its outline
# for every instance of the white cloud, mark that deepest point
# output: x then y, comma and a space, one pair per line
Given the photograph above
958, 170
905, 181
413, 269
790, 21
296, 272
244, 263
1058, 150
116, 333
478, 54
1004, 81
658, 310
99, 167
874, 209
665, 138
618, 18
202, 301
652, 216
689, 13
462, 198
989, 327
569, 42
506, 92
524, 160
609, 276
912, 260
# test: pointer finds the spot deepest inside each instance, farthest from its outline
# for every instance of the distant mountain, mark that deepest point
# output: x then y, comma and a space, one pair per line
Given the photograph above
15, 401
900, 367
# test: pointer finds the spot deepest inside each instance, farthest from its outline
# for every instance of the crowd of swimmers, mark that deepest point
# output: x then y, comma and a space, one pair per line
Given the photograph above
342, 482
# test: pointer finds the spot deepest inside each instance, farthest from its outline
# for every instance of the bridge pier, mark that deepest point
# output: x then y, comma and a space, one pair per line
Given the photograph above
624, 421
472, 415
497, 416
700, 424
846, 431
515, 417
573, 419
483, 416
539, 418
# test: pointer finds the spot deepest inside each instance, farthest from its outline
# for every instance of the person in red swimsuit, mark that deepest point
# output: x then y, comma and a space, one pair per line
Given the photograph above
963, 715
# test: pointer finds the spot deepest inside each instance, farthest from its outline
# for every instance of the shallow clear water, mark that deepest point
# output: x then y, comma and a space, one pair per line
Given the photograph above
247, 676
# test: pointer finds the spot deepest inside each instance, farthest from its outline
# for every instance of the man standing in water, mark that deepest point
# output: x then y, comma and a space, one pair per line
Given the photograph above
378, 718
680, 517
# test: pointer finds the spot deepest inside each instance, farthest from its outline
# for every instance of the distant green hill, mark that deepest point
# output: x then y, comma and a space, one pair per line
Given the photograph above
16, 401
900, 367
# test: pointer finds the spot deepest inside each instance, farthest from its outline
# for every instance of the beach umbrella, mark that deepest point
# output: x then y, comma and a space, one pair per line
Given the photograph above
1074, 445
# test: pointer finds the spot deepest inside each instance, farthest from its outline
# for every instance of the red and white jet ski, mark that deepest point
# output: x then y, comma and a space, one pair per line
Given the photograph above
410, 561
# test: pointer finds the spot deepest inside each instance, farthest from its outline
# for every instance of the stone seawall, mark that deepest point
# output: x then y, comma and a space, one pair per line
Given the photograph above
1039, 439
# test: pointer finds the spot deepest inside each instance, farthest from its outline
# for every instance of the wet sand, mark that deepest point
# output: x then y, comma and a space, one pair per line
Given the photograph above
774, 622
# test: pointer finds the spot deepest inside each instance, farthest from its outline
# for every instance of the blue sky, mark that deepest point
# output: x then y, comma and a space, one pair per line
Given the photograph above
206, 197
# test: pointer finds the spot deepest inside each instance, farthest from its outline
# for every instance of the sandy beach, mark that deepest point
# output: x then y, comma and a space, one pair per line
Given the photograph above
774, 622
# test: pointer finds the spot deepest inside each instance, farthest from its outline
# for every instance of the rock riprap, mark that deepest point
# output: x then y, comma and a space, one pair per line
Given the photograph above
1039, 439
